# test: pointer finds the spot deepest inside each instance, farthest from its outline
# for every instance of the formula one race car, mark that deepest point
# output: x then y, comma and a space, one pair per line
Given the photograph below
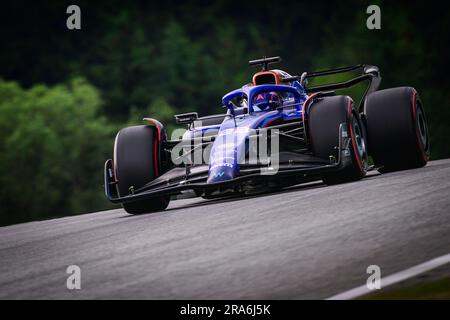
277, 132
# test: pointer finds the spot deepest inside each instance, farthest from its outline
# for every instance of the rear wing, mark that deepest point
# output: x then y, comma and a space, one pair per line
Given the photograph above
368, 73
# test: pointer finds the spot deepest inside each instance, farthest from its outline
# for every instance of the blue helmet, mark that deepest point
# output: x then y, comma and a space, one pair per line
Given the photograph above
266, 101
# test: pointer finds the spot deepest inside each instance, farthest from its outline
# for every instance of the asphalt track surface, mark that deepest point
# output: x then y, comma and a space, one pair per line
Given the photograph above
308, 242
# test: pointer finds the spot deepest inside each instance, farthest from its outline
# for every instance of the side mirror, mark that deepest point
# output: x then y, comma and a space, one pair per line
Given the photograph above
230, 107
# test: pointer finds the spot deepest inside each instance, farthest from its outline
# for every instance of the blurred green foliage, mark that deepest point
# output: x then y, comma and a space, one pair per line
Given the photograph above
53, 146
64, 94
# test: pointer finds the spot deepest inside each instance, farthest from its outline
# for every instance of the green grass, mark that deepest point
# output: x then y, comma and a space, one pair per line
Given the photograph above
437, 290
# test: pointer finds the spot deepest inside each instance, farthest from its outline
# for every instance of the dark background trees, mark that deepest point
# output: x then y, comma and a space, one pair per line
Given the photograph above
64, 94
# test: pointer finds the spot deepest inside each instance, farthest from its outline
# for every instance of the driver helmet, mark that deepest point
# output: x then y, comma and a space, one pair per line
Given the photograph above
265, 101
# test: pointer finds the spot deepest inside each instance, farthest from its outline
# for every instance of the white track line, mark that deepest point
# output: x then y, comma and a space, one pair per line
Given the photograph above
394, 278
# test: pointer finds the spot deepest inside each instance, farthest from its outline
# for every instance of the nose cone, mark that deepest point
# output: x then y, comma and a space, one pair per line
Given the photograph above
227, 152
220, 173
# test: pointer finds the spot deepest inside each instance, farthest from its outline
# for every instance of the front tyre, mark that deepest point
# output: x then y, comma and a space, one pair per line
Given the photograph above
325, 117
397, 129
136, 162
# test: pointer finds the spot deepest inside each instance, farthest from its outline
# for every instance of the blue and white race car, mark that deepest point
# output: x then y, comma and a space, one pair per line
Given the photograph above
277, 132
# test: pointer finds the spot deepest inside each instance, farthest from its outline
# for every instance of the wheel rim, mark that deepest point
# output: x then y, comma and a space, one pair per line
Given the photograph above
359, 140
422, 127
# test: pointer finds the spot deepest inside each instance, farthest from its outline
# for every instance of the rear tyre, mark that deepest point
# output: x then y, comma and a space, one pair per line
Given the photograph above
136, 161
325, 117
397, 129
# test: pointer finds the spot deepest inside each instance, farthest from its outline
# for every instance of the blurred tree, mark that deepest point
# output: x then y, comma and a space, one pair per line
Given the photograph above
53, 145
